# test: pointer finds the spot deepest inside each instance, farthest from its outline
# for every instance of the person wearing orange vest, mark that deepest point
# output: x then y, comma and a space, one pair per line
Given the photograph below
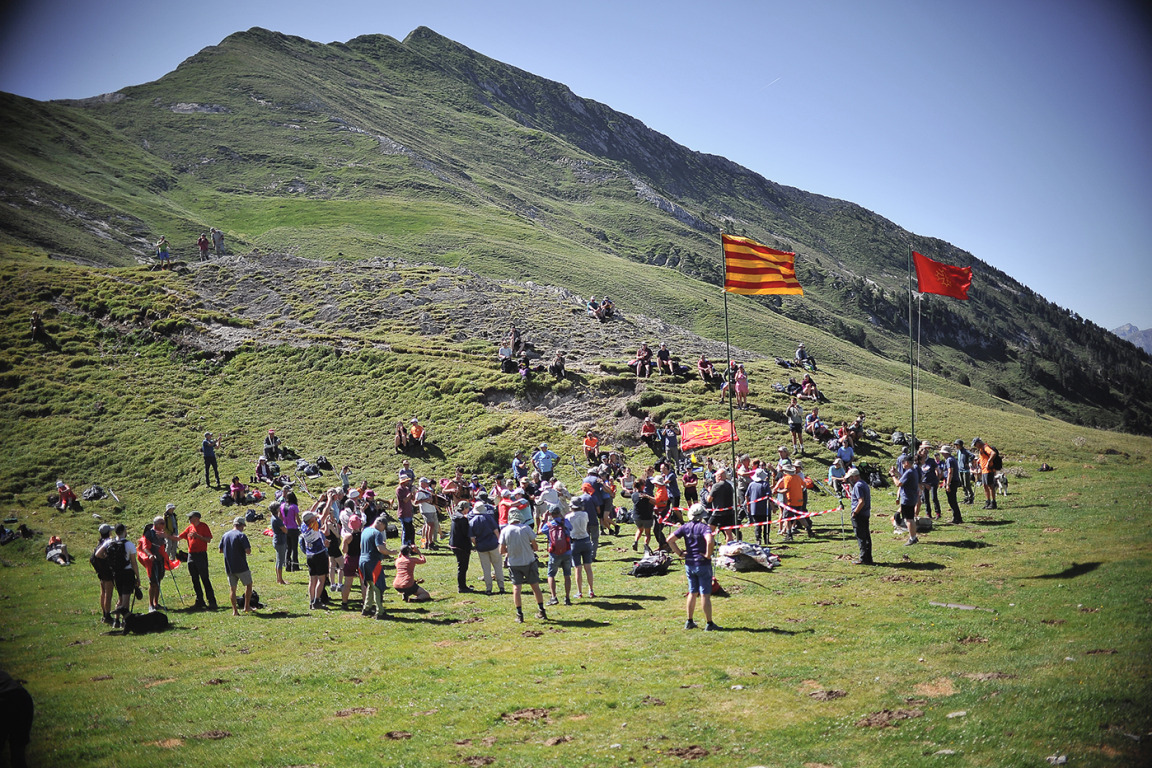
592, 449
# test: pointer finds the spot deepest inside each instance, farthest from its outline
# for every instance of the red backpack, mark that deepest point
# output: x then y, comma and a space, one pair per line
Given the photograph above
559, 542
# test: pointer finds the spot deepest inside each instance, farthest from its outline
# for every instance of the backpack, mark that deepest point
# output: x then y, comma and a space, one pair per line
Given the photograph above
833, 445
143, 623
652, 564
995, 463
104, 566
898, 438
117, 555
323, 463
559, 542
93, 493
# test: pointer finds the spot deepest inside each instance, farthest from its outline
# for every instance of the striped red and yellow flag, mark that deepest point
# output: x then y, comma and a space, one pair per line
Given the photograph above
750, 267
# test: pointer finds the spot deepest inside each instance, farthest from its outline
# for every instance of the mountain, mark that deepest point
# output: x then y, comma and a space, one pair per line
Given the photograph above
1141, 338
426, 151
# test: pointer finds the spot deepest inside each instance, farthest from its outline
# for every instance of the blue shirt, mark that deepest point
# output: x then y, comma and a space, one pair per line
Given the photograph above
951, 465
484, 529
909, 483
695, 544
518, 468
370, 540
209, 449
757, 496
846, 454
544, 460
928, 474
861, 493
235, 546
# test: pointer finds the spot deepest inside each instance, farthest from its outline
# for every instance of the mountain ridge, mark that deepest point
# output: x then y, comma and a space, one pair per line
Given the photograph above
265, 122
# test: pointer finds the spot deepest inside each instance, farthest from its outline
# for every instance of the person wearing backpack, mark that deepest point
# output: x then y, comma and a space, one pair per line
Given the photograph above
964, 459
121, 553
106, 573
990, 463
559, 533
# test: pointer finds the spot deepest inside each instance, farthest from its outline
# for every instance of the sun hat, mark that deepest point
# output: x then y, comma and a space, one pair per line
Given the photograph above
193, 514
239, 522
479, 506
788, 466
696, 512
169, 507
760, 475
852, 473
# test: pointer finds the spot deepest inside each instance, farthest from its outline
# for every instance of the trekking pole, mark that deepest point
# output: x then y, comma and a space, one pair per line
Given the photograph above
178, 592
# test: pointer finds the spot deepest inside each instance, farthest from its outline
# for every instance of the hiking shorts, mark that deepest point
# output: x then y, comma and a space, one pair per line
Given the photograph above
564, 561
408, 591
988, 478
318, 564
125, 581
699, 578
155, 570
582, 552
351, 567
244, 578
525, 574
722, 519
908, 511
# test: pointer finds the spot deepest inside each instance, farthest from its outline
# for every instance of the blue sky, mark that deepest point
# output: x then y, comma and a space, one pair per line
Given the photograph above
1018, 130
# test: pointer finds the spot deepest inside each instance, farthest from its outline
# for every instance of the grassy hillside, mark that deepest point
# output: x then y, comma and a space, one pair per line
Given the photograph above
425, 150
139, 363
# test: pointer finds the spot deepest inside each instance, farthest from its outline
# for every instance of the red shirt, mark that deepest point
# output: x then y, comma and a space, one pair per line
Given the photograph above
195, 544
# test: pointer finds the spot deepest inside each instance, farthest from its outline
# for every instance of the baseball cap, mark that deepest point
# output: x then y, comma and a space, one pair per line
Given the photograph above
239, 521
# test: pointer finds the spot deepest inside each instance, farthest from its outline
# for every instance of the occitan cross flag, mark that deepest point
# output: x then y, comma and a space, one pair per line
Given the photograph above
750, 267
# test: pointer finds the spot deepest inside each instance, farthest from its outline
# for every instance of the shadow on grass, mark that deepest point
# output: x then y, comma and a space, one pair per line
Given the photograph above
277, 615
631, 597
914, 566
581, 623
632, 606
1076, 569
965, 544
769, 630
993, 522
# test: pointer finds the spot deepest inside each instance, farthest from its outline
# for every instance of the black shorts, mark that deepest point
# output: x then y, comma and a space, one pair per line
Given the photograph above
908, 511
409, 591
722, 519
156, 570
318, 564
125, 581
795, 428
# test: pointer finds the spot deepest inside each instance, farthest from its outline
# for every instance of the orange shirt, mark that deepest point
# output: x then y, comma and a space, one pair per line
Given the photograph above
984, 457
194, 544
590, 444
793, 489
660, 498
417, 431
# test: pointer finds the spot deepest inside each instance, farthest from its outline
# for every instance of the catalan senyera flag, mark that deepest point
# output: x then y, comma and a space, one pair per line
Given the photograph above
701, 434
750, 267
942, 279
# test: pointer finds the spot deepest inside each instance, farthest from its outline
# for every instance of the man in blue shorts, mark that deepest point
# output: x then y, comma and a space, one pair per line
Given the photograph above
697, 554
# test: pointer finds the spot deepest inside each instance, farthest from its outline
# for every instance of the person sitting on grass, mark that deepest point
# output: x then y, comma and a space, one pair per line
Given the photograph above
417, 434
525, 369
557, 367
405, 582
67, 496
592, 449
804, 358
593, 308
808, 389
607, 308
648, 432
816, 427
844, 433
643, 361
57, 552
272, 449
237, 490
264, 471
706, 370
836, 475
664, 360
507, 359
401, 437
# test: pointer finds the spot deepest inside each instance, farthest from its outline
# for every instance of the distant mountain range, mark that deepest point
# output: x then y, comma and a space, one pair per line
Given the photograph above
1141, 338
427, 151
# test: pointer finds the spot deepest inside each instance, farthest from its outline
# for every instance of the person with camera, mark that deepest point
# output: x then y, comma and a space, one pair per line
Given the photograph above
699, 542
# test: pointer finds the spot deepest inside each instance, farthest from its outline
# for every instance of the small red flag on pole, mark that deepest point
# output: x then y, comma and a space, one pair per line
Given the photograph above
942, 279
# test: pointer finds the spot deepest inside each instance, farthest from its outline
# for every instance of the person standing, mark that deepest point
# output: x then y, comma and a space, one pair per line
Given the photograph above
236, 548
105, 573
155, 540
121, 554
279, 540
721, 501
698, 545
460, 542
425, 500
218, 241
964, 459
315, 548
950, 468
208, 449
290, 512
484, 531
758, 494
795, 416
163, 254
929, 479
559, 533
860, 495
405, 510
544, 461
373, 549
790, 490
198, 534
670, 436
203, 244
908, 479
983, 455
518, 545
581, 546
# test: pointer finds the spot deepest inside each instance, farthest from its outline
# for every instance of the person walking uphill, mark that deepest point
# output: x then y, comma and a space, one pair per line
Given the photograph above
198, 534
698, 545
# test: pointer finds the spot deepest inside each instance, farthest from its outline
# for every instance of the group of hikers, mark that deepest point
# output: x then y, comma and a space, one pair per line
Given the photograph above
213, 239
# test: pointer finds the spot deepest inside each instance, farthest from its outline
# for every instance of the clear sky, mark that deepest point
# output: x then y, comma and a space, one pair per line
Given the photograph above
1018, 130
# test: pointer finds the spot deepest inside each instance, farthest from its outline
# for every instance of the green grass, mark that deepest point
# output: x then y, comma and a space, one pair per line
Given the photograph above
1063, 568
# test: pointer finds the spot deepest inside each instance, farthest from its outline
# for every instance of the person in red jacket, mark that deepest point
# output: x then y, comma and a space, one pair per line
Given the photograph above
198, 534
67, 496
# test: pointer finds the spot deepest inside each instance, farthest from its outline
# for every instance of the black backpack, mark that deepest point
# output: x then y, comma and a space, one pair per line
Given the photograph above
104, 566
323, 463
995, 463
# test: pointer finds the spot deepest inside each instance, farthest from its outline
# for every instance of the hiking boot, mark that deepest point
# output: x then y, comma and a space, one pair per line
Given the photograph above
911, 541
199, 605
956, 521
567, 601
540, 614
993, 505
711, 627
519, 618
370, 610
381, 616
553, 601
106, 619
689, 624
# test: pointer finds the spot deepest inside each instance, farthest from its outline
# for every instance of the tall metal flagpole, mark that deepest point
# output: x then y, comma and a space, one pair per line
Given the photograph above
728, 375
911, 360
